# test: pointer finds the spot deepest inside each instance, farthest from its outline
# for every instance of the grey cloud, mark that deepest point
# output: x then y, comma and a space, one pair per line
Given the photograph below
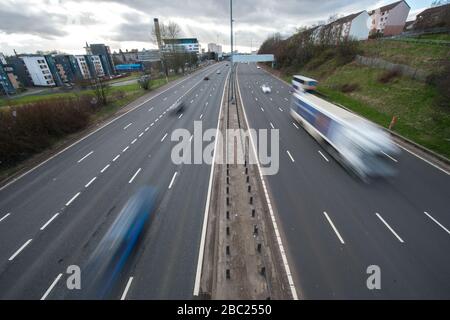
274, 15
45, 26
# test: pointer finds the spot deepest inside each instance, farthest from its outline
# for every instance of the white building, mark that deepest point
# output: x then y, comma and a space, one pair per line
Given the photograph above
84, 67
39, 71
2, 58
189, 45
354, 26
97, 65
390, 19
213, 47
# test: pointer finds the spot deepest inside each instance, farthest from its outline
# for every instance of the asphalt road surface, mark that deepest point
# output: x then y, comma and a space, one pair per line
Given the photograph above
336, 226
55, 215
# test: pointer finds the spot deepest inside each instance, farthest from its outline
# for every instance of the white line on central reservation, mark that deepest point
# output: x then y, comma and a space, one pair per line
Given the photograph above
269, 204
208, 199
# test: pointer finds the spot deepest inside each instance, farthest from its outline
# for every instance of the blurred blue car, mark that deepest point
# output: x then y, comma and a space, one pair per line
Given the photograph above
109, 258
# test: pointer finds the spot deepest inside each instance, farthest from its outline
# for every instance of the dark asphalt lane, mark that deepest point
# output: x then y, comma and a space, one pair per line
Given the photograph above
306, 188
71, 237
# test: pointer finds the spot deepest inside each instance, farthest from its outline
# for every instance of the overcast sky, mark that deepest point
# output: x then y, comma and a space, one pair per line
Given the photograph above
65, 25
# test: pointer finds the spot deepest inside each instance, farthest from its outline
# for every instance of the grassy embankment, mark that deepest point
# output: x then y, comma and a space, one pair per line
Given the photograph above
414, 103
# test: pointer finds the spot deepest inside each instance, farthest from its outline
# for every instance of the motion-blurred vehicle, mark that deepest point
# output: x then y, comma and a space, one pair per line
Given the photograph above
178, 106
302, 83
110, 257
206, 78
258, 67
360, 146
218, 71
265, 88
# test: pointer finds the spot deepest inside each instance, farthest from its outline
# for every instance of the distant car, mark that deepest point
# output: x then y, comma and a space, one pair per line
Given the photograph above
226, 65
265, 88
218, 71
206, 78
258, 67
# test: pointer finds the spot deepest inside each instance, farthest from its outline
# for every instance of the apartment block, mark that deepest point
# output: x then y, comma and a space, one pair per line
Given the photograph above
39, 70
389, 20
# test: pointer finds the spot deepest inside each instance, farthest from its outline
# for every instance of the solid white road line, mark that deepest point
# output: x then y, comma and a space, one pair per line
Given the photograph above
90, 182
116, 157
290, 156
269, 204
124, 150
19, 250
51, 287
73, 199
164, 137
5, 216
389, 227
134, 176
323, 156
132, 142
437, 222
334, 228
85, 156
126, 127
295, 125
173, 179
208, 199
49, 221
105, 168
124, 294
272, 125
393, 159
430, 163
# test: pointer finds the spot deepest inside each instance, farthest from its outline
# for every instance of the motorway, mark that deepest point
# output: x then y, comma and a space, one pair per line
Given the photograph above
55, 215
335, 226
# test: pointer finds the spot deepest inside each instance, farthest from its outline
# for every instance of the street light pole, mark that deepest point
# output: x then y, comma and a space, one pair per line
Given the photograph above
231, 25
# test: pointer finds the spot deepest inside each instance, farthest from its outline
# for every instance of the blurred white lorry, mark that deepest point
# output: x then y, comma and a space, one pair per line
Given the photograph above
359, 145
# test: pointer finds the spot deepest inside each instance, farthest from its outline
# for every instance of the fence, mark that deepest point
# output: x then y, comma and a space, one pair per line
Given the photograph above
416, 74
